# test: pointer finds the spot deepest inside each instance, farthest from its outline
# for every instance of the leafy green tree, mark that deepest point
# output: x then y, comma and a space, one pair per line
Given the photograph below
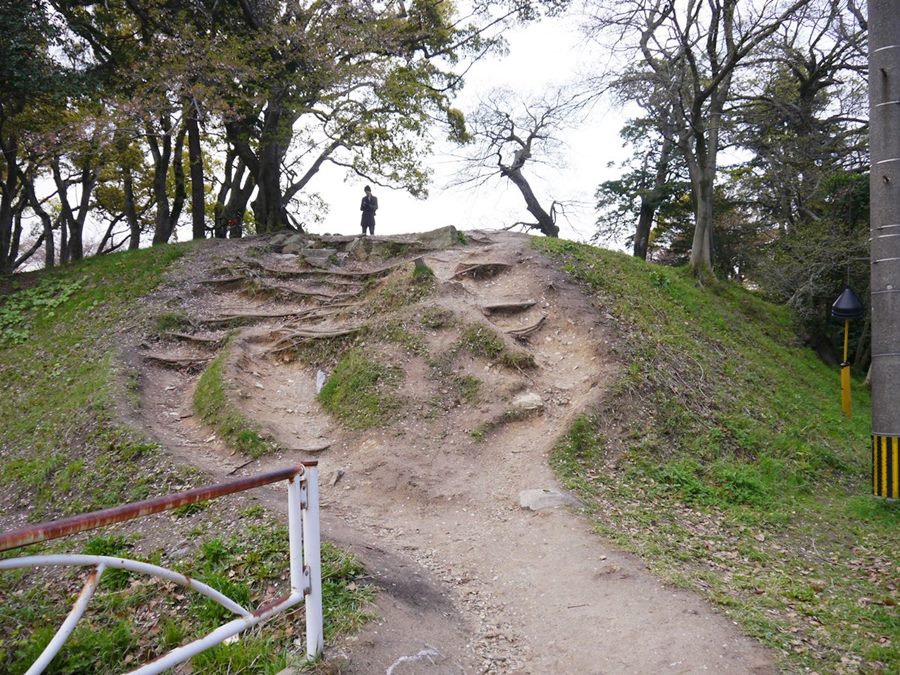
652, 190
689, 55
803, 116
30, 86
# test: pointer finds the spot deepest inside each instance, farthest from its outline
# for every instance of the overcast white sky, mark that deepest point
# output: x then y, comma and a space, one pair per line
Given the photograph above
541, 56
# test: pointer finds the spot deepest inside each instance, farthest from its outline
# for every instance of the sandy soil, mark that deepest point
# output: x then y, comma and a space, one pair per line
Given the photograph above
470, 581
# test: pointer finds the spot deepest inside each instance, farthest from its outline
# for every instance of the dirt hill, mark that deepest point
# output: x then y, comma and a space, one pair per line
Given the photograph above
449, 366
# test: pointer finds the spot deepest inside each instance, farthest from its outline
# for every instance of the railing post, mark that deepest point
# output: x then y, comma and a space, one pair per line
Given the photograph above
295, 533
315, 639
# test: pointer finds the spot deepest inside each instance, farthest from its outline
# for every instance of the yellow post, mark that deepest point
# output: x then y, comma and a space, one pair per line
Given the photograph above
845, 374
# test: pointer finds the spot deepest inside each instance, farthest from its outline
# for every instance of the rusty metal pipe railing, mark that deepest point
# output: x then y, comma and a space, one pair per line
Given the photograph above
117, 514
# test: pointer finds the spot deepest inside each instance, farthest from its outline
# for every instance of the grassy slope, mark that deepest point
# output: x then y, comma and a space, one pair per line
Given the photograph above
722, 457
63, 451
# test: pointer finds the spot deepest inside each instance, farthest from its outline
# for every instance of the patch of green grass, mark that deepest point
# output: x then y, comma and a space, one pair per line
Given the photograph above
422, 273
401, 288
360, 392
248, 566
172, 321
19, 311
110, 545
721, 456
468, 388
212, 404
58, 388
481, 340
326, 352
401, 333
435, 318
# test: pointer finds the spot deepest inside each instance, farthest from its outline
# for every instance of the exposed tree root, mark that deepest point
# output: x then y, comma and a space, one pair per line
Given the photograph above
332, 273
298, 337
233, 280
507, 307
250, 317
202, 340
191, 363
286, 292
524, 333
480, 269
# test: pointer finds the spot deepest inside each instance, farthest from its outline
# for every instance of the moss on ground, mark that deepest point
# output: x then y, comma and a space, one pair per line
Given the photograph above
360, 391
483, 341
213, 405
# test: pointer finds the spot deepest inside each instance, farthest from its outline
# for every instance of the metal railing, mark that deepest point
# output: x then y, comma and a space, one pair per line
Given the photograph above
304, 540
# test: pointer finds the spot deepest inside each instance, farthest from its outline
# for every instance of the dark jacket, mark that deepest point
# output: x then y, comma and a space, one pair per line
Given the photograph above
369, 204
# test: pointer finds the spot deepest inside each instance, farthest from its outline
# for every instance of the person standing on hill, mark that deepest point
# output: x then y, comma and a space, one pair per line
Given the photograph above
368, 207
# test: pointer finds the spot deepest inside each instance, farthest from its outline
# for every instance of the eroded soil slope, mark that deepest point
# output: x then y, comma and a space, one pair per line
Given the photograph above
490, 354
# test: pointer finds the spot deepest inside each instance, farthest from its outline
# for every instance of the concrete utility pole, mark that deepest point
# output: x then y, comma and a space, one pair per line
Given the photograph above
884, 184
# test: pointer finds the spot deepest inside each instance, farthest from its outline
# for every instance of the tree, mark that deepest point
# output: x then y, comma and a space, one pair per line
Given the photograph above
362, 99
802, 114
803, 117
653, 188
689, 55
508, 132
30, 85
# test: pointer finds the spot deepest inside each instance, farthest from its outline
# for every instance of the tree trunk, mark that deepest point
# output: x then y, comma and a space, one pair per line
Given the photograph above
220, 227
162, 229
49, 244
63, 241
650, 203
701, 246
544, 222
267, 207
72, 248
10, 151
134, 225
178, 171
236, 207
76, 228
46, 222
198, 203
642, 232
17, 234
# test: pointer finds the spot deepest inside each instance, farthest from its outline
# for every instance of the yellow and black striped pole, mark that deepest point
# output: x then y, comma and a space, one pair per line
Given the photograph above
886, 466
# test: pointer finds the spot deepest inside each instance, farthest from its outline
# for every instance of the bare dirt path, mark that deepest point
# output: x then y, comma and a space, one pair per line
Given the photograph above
472, 582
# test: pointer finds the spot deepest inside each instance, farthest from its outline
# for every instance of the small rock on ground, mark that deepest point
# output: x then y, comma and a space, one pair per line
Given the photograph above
541, 499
